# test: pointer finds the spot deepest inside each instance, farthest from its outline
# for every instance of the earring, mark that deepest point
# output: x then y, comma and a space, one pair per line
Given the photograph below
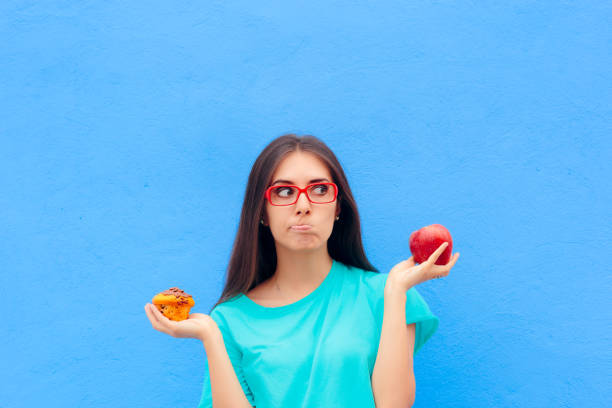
337, 218
262, 223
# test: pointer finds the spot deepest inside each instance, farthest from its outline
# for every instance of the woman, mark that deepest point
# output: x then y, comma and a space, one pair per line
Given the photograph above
304, 319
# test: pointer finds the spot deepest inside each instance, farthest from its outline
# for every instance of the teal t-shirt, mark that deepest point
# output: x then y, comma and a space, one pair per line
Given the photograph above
319, 351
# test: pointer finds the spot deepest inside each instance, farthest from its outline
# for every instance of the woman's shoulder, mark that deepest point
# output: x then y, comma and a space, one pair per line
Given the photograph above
228, 306
371, 279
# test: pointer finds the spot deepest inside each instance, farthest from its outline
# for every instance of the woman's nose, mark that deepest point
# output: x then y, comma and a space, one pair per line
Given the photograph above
303, 204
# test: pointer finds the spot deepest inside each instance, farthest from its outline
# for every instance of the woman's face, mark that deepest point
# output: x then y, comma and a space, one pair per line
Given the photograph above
300, 168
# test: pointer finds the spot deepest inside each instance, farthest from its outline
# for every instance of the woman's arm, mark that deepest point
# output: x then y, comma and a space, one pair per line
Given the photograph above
224, 384
393, 382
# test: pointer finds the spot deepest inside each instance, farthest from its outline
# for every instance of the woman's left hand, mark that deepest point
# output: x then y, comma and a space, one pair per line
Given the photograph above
407, 274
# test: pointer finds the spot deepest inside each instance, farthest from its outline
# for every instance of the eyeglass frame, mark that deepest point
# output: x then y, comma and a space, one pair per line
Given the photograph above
300, 191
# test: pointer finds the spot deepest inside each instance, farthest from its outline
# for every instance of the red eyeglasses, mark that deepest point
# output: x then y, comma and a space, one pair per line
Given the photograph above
318, 193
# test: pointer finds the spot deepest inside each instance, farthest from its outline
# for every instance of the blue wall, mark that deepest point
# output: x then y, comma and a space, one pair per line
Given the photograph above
122, 122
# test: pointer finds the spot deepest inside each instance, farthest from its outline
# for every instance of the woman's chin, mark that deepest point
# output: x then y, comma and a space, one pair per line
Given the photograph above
305, 244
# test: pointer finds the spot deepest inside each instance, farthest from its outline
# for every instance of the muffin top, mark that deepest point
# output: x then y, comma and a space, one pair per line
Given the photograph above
173, 296
176, 292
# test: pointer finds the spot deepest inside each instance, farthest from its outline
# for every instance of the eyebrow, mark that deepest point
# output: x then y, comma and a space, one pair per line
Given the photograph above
291, 182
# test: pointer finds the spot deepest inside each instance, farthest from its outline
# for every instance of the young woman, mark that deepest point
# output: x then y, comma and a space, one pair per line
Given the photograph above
304, 319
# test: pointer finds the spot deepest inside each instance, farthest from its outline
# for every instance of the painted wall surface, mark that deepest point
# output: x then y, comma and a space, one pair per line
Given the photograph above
128, 130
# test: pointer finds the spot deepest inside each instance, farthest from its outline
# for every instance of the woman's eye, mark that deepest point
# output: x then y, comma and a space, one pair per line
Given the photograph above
320, 189
284, 191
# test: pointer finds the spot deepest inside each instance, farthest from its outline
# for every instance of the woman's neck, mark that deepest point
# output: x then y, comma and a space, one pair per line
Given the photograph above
299, 273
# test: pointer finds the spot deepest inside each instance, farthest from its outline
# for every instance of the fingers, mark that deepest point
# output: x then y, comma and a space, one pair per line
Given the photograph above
448, 267
454, 260
158, 320
151, 315
434, 257
410, 261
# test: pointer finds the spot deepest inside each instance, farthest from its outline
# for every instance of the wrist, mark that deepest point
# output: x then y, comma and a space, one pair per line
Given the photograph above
395, 289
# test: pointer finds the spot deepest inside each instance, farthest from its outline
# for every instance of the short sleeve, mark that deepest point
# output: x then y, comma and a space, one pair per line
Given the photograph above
235, 357
417, 311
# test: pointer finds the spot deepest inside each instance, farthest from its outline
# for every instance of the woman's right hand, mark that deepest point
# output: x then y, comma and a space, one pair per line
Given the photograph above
197, 326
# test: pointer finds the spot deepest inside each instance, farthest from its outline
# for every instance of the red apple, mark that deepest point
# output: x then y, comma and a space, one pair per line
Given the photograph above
425, 241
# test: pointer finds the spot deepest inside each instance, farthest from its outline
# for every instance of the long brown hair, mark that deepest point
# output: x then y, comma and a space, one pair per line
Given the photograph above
253, 258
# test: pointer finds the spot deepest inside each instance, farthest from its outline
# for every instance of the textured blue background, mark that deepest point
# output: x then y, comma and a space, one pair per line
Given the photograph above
128, 130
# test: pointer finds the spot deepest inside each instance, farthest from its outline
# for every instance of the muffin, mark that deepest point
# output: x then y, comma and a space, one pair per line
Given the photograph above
174, 303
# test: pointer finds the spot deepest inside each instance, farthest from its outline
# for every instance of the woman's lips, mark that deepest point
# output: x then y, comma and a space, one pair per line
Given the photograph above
303, 227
